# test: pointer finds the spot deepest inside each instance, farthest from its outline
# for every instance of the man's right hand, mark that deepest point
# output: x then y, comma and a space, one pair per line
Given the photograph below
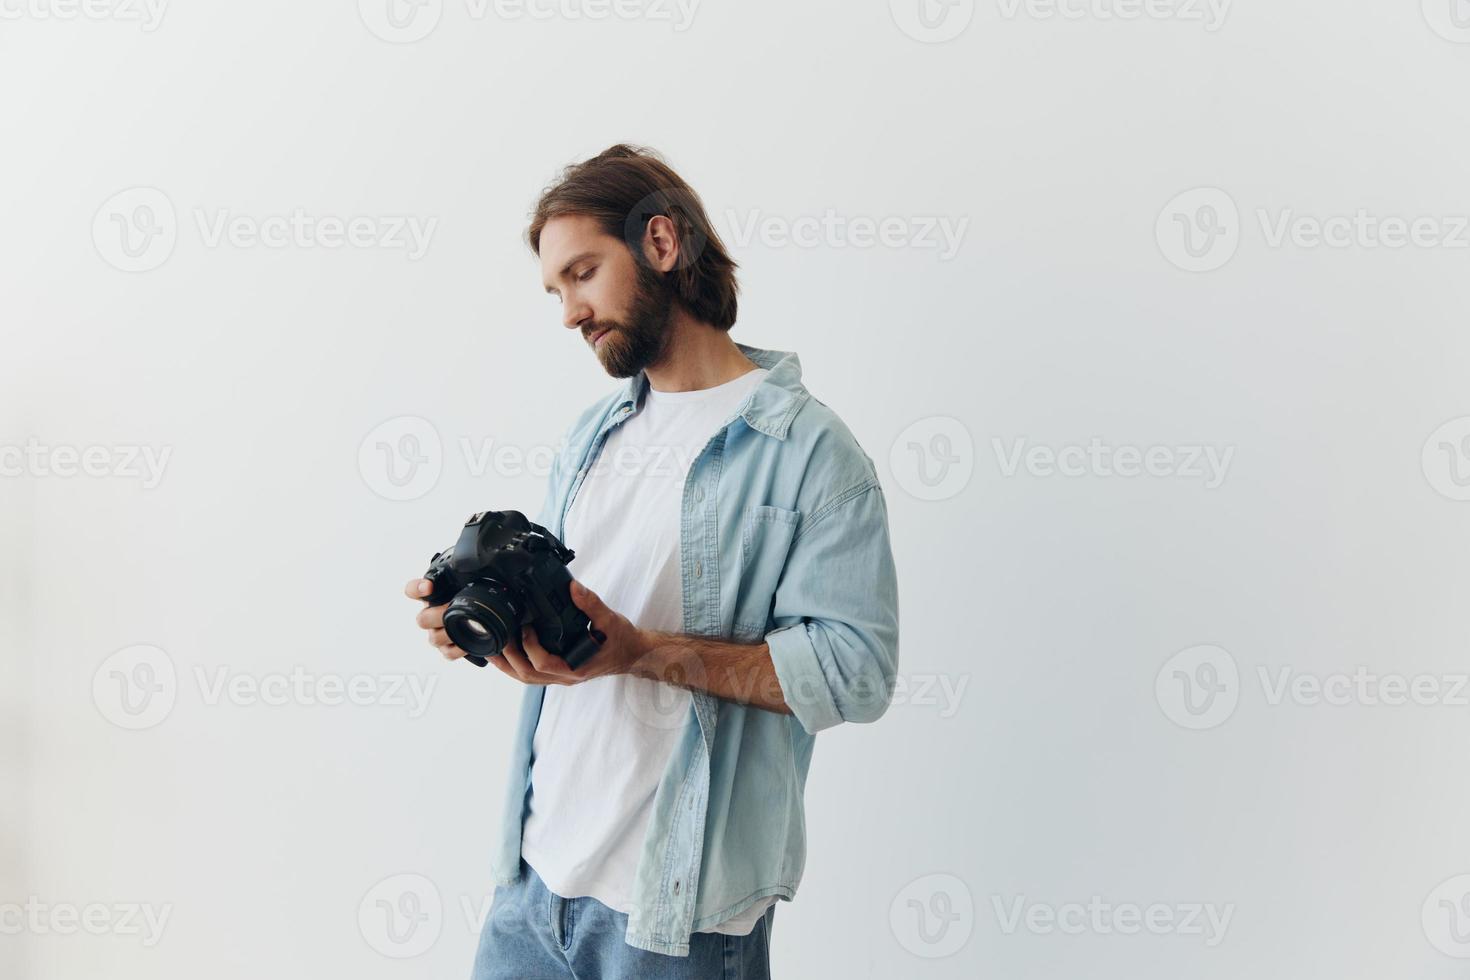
431, 618
512, 661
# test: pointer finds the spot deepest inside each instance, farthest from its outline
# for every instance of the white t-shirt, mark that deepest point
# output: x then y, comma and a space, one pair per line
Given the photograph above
601, 746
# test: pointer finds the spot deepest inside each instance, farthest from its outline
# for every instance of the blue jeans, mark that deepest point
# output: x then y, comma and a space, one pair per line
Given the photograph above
532, 934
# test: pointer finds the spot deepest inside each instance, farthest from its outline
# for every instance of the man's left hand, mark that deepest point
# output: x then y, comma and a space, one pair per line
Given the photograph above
531, 663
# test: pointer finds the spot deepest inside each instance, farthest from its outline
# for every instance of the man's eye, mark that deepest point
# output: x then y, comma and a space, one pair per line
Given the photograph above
586, 275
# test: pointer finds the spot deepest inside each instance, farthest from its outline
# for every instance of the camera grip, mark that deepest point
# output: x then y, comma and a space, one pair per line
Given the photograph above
584, 647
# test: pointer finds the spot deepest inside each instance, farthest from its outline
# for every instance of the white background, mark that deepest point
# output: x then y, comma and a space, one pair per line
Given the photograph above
1335, 540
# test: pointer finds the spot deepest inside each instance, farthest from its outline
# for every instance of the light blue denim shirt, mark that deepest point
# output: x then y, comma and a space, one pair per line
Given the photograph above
784, 537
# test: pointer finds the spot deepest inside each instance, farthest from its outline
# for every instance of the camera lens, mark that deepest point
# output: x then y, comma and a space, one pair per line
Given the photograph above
481, 618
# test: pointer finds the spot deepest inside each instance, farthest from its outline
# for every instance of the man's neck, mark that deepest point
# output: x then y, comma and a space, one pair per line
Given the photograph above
699, 356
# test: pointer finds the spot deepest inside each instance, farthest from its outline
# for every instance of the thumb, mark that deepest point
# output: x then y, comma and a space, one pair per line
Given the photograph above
588, 601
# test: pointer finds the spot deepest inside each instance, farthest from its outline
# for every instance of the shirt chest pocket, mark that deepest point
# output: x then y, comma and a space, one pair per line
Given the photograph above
766, 533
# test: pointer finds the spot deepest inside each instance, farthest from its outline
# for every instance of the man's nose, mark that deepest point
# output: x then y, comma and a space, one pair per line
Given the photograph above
576, 314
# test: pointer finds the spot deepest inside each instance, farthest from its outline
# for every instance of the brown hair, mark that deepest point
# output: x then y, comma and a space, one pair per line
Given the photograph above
623, 187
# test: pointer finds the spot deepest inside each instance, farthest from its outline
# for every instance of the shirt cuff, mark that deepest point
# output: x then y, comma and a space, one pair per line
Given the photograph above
799, 672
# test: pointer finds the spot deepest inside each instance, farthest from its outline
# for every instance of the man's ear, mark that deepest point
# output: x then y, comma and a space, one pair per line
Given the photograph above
661, 243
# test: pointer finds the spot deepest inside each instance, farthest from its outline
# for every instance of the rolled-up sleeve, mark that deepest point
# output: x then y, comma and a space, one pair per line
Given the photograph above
836, 608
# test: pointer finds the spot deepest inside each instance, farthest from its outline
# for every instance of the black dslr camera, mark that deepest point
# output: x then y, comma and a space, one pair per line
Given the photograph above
504, 572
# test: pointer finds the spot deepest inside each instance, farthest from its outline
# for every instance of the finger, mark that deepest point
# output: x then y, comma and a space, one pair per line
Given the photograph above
430, 617
515, 655
542, 660
440, 641
515, 658
589, 602
529, 676
417, 588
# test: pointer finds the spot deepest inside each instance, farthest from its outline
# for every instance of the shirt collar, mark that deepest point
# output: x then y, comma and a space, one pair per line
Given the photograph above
769, 408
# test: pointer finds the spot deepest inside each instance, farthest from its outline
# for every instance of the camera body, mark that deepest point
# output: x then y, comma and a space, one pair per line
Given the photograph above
503, 573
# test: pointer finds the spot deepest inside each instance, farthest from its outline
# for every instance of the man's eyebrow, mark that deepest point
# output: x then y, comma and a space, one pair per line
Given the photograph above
568, 267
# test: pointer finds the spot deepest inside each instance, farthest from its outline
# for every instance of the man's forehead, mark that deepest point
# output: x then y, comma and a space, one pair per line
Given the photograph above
562, 236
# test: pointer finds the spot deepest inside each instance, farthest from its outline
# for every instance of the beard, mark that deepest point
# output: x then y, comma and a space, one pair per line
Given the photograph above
640, 339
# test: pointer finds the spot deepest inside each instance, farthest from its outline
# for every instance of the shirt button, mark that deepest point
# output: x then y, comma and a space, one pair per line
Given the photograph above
676, 888
698, 569
699, 493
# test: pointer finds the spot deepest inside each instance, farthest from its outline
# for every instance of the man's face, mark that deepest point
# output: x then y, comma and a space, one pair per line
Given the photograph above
621, 306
